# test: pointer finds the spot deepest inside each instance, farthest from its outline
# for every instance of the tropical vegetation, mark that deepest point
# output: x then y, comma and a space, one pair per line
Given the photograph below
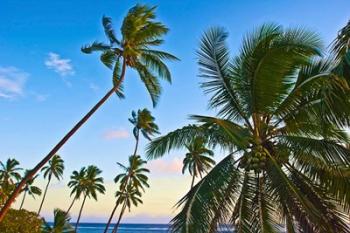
30, 189
281, 116
141, 34
21, 221
60, 223
92, 185
54, 169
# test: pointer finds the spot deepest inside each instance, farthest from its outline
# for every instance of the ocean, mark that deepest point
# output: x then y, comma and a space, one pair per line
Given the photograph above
126, 228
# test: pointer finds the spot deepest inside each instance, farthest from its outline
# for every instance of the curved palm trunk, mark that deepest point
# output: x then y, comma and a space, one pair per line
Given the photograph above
110, 218
71, 205
137, 142
37, 168
80, 211
192, 183
24, 197
115, 230
42, 201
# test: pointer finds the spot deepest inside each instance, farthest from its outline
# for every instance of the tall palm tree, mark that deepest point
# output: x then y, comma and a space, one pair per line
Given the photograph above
140, 35
130, 196
76, 183
30, 189
281, 117
55, 169
143, 122
92, 185
134, 176
197, 160
9, 176
60, 223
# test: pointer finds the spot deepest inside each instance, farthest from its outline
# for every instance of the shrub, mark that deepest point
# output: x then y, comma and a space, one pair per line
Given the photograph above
21, 221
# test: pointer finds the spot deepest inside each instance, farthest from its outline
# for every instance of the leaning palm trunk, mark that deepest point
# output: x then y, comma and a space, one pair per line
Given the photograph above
115, 230
71, 205
110, 218
24, 197
80, 211
192, 183
123, 189
42, 201
37, 168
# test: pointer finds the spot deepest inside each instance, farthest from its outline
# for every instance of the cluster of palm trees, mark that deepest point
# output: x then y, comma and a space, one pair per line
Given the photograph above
282, 109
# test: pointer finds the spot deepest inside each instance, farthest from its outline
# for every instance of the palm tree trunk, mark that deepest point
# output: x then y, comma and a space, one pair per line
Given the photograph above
110, 218
42, 201
71, 205
24, 197
80, 211
37, 168
192, 183
137, 142
115, 230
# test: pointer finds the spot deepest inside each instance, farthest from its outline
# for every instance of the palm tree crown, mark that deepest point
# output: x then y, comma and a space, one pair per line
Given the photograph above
134, 174
139, 34
30, 189
281, 114
77, 182
60, 223
9, 171
197, 160
54, 168
143, 122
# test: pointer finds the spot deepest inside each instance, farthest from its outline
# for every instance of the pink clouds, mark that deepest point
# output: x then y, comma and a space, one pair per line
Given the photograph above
116, 134
173, 166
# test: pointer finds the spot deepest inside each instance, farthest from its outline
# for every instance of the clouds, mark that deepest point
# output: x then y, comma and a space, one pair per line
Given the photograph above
12, 81
116, 134
162, 166
61, 66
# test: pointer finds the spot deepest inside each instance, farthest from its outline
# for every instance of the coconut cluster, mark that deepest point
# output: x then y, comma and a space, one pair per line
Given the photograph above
254, 160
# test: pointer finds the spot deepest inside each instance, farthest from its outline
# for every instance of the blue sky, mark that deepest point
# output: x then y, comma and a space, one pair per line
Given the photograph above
47, 84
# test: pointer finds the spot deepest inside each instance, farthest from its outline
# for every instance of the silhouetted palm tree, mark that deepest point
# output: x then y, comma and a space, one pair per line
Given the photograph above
60, 223
134, 176
140, 35
130, 196
92, 185
55, 168
9, 176
30, 189
143, 122
197, 160
76, 183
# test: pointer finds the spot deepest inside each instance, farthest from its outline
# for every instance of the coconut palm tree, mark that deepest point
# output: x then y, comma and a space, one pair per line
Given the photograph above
281, 118
143, 122
76, 183
197, 160
133, 176
30, 189
130, 196
55, 168
140, 35
9, 176
60, 223
92, 185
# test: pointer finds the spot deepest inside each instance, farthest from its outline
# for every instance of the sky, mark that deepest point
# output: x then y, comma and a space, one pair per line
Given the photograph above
47, 85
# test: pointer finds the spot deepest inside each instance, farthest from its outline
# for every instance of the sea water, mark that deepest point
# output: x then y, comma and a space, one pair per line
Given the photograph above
127, 228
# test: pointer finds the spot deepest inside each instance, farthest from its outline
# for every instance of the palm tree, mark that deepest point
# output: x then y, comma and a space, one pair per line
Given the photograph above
60, 224
54, 168
197, 160
281, 117
130, 196
76, 183
30, 189
9, 176
143, 122
134, 176
92, 184
141, 34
